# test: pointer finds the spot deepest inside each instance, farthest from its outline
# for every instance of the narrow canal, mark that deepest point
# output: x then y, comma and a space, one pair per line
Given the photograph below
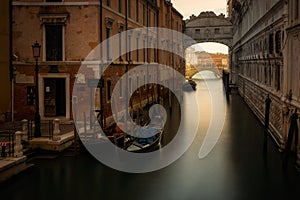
234, 169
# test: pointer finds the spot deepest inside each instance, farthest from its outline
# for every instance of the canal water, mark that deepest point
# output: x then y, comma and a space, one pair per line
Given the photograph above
235, 168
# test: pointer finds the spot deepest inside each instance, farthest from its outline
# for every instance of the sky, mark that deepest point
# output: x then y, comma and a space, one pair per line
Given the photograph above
189, 7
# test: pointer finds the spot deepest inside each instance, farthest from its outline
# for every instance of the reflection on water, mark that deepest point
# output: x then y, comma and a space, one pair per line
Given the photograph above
206, 75
234, 169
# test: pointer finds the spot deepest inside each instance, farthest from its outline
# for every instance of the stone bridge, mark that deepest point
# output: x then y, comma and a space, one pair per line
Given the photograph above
208, 27
192, 70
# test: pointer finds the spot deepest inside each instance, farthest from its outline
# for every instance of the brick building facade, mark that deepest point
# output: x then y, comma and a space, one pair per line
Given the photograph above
68, 31
5, 84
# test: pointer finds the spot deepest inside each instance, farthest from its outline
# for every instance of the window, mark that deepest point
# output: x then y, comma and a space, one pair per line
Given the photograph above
137, 82
108, 89
137, 49
129, 47
149, 18
271, 43
197, 31
217, 31
54, 42
121, 88
108, 2
278, 42
130, 85
149, 51
129, 8
296, 7
120, 6
144, 14
137, 10
120, 46
108, 45
144, 50
155, 51
277, 77
166, 20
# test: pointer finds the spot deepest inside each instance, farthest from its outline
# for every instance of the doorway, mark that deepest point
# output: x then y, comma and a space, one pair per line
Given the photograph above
54, 97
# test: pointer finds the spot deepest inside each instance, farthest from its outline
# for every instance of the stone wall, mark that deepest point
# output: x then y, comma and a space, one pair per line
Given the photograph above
265, 60
255, 96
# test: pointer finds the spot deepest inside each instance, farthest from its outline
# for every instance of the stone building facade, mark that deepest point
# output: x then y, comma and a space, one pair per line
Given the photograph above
211, 60
68, 31
209, 27
265, 59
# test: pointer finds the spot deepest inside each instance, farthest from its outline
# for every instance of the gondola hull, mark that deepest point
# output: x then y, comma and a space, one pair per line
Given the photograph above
142, 146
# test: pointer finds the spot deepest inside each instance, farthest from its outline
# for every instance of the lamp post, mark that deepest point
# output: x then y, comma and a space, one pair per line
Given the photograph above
36, 47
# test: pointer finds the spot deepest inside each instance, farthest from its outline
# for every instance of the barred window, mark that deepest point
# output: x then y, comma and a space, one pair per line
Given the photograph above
120, 6
137, 10
271, 43
54, 42
108, 89
278, 42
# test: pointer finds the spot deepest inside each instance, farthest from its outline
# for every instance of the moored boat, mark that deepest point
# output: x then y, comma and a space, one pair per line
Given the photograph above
144, 143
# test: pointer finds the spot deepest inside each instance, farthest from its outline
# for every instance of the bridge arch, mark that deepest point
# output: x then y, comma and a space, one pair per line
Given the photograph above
208, 27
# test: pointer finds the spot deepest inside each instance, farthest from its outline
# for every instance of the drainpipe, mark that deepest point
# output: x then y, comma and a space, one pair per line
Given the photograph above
126, 70
172, 53
171, 57
147, 45
101, 64
11, 67
157, 55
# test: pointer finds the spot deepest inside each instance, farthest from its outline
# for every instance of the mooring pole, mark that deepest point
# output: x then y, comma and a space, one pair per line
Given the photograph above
267, 118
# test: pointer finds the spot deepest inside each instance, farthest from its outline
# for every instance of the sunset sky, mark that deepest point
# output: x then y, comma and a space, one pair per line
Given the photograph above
189, 7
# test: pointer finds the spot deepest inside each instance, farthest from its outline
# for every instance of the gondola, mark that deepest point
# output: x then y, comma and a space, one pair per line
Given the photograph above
148, 137
146, 144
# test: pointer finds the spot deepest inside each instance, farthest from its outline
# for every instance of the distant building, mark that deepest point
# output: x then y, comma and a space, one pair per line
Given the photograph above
210, 60
190, 56
220, 60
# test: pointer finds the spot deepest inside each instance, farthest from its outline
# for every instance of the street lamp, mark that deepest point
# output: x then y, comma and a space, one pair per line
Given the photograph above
36, 49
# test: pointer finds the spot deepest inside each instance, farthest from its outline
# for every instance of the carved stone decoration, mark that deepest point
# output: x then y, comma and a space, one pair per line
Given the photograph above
54, 18
121, 26
109, 22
